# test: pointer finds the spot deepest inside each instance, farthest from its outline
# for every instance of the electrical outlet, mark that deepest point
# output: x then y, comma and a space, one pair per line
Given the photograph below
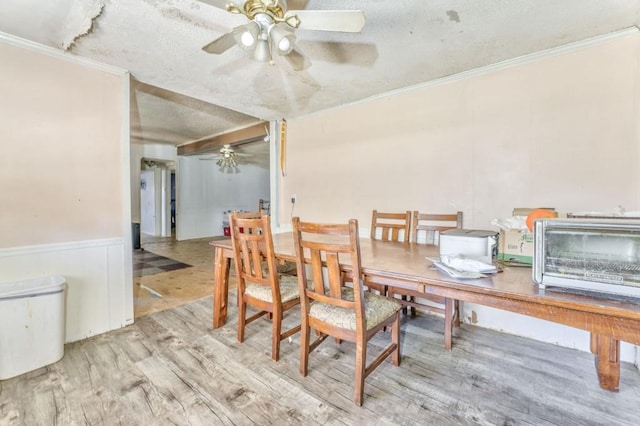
293, 198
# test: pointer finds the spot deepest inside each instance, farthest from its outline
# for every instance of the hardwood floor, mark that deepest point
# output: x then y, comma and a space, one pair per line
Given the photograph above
172, 368
156, 290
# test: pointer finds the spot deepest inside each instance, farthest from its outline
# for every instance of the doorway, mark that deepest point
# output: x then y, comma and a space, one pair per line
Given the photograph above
157, 197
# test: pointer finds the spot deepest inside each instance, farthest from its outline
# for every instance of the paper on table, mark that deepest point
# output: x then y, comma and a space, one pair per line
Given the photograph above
463, 267
468, 264
455, 273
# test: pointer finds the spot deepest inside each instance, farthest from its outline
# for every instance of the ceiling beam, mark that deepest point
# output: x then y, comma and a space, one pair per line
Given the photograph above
252, 133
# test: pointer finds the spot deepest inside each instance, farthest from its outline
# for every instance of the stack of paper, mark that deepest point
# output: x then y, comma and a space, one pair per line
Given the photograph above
459, 266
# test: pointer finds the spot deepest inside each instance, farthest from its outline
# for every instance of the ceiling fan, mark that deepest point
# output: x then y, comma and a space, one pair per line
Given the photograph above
229, 158
270, 28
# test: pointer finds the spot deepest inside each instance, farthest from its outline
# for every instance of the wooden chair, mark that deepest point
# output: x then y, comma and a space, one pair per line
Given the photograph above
431, 225
264, 206
259, 286
392, 226
283, 267
350, 314
388, 227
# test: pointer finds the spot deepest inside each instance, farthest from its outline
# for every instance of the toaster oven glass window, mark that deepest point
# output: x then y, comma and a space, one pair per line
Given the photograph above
593, 254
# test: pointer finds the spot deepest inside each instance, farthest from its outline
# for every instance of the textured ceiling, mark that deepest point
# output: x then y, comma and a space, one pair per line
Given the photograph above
187, 94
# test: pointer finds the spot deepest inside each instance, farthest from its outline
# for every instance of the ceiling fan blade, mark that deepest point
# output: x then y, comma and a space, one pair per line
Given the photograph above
350, 21
297, 60
221, 44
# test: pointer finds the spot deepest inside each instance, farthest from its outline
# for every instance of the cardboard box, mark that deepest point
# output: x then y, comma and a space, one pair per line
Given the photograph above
524, 211
516, 246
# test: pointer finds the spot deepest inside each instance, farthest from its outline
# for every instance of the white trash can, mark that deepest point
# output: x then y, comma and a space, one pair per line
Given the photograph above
32, 324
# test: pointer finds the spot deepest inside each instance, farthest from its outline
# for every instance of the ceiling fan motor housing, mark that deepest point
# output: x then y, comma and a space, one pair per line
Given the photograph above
274, 8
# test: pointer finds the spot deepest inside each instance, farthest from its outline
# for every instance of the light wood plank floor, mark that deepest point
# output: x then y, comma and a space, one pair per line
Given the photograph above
172, 368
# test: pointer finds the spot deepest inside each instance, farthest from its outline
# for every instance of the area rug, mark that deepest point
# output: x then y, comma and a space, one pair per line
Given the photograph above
147, 263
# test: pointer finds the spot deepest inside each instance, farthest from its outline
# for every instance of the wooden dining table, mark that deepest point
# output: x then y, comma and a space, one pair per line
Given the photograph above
404, 265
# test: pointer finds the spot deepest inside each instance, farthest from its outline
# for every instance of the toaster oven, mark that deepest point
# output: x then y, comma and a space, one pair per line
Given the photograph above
592, 255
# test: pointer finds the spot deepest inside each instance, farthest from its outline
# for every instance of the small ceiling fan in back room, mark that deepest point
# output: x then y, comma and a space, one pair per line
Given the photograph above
231, 158
227, 159
271, 26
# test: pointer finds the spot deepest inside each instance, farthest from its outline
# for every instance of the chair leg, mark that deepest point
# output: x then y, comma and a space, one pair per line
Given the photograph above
395, 339
275, 334
304, 348
242, 311
456, 313
361, 364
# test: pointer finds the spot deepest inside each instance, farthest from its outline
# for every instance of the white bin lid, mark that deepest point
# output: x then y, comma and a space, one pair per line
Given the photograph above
32, 287
473, 233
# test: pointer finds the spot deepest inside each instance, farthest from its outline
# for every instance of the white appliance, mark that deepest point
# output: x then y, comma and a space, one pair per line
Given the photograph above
479, 244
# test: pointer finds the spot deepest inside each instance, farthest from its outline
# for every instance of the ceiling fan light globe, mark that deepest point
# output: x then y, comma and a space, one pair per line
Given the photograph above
283, 40
247, 39
247, 35
284, 45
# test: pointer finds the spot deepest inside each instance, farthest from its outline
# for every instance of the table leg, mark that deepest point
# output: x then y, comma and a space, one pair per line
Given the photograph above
607, 360
448, 322
220, 287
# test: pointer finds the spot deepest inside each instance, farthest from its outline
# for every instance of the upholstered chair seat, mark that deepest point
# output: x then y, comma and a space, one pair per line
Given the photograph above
377, 309
288, 290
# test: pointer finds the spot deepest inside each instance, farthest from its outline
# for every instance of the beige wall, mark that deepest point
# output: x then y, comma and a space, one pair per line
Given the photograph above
60, 150
557, 130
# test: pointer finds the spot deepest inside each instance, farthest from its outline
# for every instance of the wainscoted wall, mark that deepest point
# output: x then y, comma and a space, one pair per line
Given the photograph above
64, 172
96, 300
